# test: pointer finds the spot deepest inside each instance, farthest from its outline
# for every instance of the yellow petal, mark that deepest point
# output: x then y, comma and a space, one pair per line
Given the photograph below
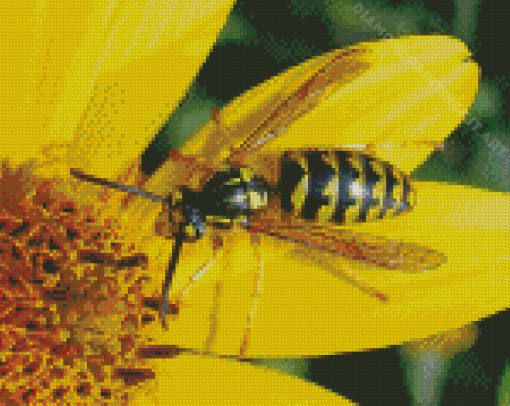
396, 99
192, 380
293, 307
417, 89
406, 90
470, 226
103, 73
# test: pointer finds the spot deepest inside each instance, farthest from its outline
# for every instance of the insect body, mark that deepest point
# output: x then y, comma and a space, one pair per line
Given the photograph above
314, 190
278, 161
341, 187
298, 162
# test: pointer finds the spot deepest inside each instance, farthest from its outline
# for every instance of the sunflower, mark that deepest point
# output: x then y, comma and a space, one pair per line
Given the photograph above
87, 87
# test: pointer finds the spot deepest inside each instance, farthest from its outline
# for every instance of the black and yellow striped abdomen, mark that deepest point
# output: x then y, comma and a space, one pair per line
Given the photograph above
341, 186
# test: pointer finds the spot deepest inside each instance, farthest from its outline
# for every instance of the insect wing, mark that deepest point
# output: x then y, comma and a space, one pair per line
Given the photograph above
378, 251
406, 92
350, 99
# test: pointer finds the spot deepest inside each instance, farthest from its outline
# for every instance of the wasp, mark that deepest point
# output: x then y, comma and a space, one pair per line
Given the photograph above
306, 196
315, 190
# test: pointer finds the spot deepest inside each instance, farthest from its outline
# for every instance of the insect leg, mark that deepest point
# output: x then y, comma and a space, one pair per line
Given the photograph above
198, 274
257, 293
167, 284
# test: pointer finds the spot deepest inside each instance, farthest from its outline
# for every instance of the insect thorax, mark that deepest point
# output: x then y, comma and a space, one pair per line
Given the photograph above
228, 196
341, 186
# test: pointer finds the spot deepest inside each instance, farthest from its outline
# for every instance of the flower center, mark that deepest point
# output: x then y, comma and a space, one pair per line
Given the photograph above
70, 299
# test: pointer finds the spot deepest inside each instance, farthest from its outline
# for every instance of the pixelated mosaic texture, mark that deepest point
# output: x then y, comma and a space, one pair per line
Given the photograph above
83, 265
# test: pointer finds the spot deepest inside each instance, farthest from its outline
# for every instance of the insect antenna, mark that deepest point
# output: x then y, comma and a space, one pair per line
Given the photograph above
126, 188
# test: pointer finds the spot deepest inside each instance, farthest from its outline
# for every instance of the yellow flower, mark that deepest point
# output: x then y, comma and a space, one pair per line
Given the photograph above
81, 82
87, 87
466, 227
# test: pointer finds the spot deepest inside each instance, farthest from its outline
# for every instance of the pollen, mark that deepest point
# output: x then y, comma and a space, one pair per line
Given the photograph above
65, 280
